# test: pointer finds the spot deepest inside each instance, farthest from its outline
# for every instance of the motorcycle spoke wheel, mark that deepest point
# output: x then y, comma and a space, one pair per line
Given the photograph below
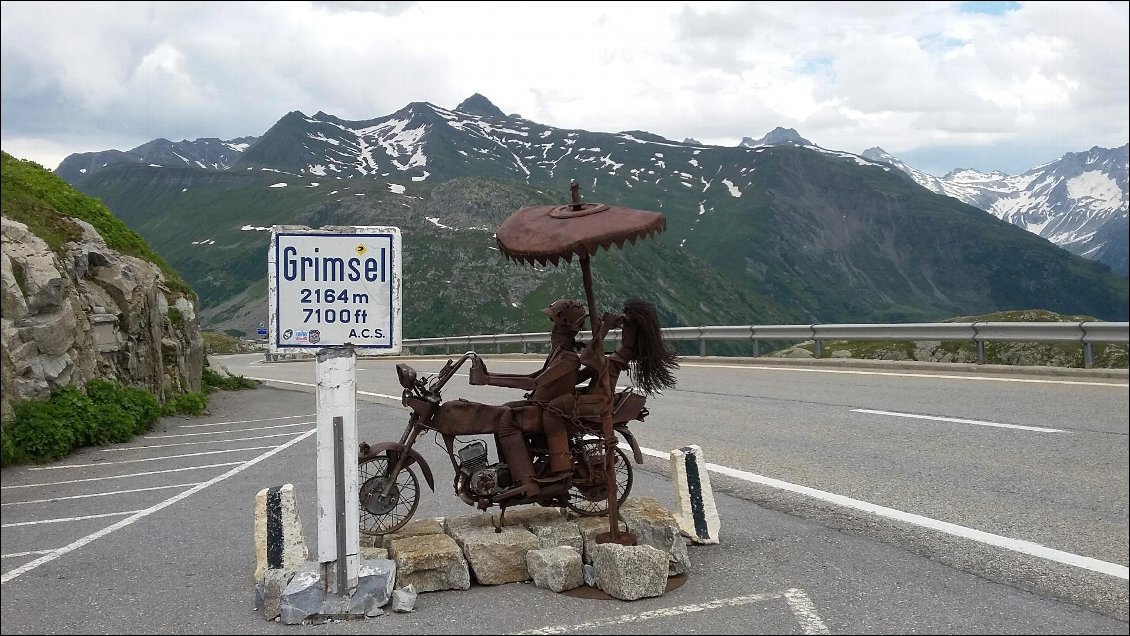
591, 499
382, 516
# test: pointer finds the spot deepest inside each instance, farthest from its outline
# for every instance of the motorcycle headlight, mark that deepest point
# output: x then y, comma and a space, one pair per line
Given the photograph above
406, 375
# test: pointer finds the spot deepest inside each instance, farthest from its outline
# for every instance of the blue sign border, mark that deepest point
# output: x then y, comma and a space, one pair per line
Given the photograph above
391, 288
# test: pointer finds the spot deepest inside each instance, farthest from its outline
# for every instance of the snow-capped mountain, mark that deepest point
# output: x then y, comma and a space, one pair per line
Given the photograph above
777, 137
1079, 202
780, 228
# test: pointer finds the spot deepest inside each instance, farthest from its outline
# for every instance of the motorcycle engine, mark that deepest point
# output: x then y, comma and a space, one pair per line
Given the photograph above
479, 478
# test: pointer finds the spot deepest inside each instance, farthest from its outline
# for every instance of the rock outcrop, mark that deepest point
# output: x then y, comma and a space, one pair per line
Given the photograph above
93, 313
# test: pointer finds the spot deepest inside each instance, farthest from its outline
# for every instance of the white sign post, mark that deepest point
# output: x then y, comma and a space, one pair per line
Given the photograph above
336, 291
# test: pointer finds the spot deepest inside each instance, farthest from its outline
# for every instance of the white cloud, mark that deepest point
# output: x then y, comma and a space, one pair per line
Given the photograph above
848, 75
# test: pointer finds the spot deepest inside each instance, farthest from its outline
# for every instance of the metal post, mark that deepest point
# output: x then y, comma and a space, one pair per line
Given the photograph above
980, 352
339, 498
819, 348
757, 348
702, 346
1088, 355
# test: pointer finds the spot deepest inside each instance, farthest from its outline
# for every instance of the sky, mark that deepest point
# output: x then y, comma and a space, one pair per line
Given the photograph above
942, 85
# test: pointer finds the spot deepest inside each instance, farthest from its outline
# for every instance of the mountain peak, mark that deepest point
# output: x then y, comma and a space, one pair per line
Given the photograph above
777, 136
481, 106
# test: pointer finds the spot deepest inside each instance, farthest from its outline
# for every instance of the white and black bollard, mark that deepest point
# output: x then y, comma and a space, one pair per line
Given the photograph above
695, 511
280, 543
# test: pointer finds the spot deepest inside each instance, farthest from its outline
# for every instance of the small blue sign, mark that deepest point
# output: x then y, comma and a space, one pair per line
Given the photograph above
262, 331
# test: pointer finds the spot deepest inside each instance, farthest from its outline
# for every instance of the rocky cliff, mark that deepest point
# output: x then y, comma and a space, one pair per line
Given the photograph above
90, 313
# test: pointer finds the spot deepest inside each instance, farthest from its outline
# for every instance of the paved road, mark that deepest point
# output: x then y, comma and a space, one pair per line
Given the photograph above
852, 501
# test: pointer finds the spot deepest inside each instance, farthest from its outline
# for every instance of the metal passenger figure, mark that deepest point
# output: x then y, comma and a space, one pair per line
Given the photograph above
557, 379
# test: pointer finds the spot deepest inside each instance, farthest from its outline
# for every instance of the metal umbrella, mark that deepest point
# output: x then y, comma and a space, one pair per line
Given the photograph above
554, 233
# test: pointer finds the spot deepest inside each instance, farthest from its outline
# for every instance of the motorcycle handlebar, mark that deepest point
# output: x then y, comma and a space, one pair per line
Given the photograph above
449, 369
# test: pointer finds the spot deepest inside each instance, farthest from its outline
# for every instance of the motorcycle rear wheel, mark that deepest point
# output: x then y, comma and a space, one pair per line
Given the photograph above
382, 516
591, 500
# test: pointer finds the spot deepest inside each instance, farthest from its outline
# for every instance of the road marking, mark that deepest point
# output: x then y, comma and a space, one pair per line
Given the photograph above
265, 419
799, 604
208, 441
958, 420
395, 398
908, 375
236, 430
151, 459
64, 520
31, 565
1008, 543
12, 555
805, 611
126, 476
98, 494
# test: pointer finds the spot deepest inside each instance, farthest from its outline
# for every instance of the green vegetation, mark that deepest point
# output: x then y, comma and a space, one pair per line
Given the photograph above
190, 403
102, 412
176, 317
48, 429
225, 344
213, 381
33, 195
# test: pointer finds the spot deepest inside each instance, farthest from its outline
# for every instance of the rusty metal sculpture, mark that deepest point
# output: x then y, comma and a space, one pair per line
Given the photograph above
549, 234
560, 443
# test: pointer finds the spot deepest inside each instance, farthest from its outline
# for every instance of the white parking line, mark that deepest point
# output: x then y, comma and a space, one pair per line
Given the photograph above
395, 398
154, 459
798, 602
1008, 543
234, 430
31, 565
126, 476
208, 441
265, 419
65, 520
12, 555
1038, 429
97, 494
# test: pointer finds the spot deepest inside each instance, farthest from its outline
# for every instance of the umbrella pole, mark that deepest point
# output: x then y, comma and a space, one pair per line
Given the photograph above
605, 425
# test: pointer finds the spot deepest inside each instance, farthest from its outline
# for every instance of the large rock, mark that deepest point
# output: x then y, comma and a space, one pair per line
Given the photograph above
430, 563
630, 572
654, 525
496, 557
90, 313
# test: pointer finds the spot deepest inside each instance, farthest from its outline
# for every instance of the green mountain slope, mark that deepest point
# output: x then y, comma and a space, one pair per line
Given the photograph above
768, 234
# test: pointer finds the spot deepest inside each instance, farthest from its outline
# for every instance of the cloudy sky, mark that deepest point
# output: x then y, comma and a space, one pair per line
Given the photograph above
986, 85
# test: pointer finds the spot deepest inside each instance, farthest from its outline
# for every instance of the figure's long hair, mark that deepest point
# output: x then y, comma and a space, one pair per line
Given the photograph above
652, 367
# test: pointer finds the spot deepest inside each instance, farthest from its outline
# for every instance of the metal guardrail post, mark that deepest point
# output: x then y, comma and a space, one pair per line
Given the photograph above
1088, 355
980, 352
819, 348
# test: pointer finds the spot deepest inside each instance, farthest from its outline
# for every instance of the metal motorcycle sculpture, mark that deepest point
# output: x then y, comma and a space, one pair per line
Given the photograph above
549, 449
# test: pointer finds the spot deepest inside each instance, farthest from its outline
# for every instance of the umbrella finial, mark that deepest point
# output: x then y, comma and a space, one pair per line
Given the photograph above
575, 193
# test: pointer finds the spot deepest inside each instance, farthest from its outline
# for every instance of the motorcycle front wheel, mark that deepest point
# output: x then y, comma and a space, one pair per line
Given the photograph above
382, 515
588, 496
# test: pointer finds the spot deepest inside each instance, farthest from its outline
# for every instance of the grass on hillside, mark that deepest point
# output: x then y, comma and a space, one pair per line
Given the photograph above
36, 197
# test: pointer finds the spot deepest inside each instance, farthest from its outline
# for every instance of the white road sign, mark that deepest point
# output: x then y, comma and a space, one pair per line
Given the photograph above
334, 286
